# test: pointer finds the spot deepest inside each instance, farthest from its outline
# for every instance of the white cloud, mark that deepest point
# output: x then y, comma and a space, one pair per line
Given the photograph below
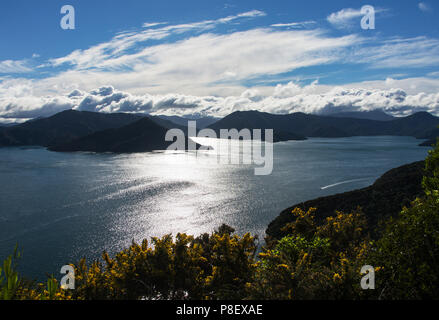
212, 64
153, 24
206, 63
347, 18
302, 24
116, 49
14, 66
400, 52
433, 74
344, 17
397, 97
424, 7
218, 64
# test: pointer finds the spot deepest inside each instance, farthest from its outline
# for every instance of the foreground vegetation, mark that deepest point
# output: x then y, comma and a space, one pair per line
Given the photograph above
314, 260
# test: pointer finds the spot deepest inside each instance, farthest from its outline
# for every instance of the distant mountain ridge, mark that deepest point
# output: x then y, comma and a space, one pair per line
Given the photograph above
419, 125
258, 120
378, 115
202, 122
62, 127
143, 135
65, 127
5, 125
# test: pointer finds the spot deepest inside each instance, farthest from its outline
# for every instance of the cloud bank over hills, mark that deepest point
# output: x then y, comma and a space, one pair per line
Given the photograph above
283, 99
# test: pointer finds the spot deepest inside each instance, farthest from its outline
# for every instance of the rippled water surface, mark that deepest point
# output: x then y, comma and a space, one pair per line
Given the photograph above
63, 206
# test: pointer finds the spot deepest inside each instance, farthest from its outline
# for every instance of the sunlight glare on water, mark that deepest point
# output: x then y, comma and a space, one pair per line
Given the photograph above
60, 207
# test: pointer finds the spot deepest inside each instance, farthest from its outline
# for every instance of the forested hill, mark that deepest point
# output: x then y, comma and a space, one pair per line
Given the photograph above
70, 125
420, 125
386, 197
144, 135
62, 127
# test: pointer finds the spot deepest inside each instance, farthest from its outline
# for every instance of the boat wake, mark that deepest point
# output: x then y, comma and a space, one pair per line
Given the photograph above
344, 182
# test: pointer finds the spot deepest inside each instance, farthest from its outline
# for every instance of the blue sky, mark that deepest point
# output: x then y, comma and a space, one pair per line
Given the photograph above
216, 57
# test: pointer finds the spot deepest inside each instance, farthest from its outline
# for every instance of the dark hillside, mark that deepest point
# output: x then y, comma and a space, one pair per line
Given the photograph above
62, 127
386, 197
